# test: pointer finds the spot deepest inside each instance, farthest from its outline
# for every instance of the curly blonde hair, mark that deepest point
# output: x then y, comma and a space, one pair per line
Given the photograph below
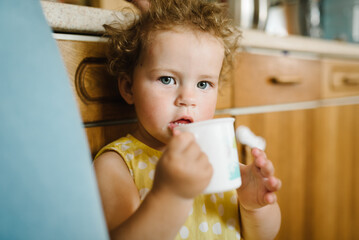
128, 39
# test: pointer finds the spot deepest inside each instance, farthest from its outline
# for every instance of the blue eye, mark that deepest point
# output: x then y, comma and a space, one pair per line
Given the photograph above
202, 85
167, 80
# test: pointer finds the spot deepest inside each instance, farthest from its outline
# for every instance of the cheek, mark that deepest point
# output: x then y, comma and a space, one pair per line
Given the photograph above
208, 107
208, 112
149, 105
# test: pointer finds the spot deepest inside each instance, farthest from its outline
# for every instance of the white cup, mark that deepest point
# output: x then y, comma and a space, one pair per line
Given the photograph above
216, 138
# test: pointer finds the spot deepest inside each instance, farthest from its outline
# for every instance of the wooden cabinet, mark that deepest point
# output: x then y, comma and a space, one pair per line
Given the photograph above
262, 81
333, 196
289, 139
314, 150
315, 153
335, 193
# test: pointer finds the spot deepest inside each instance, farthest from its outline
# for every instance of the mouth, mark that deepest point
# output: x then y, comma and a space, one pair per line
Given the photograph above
179, 122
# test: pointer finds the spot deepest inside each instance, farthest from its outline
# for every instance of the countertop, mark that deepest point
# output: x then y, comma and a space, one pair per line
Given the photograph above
73, 19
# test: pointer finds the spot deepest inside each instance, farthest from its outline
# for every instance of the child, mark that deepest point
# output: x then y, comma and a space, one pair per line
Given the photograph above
169, 62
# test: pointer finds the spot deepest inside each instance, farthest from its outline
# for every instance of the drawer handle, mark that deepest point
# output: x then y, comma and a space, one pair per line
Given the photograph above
286, 80
351, 81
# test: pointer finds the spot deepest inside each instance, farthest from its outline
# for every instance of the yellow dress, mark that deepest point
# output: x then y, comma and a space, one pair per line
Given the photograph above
213, 216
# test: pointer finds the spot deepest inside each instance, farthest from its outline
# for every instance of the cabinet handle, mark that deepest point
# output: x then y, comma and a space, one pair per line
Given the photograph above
286, 80
350, 81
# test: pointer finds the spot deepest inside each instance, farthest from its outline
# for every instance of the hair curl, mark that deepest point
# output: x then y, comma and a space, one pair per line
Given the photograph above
128, 38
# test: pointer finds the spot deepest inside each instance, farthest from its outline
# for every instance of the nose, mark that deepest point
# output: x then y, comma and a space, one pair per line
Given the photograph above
186, 97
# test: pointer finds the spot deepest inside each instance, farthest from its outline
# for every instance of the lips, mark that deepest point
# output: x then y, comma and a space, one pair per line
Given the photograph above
178, 122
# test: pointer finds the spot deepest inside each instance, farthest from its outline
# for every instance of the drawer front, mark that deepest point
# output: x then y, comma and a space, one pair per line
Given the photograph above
264, 80
95, 90
340, 78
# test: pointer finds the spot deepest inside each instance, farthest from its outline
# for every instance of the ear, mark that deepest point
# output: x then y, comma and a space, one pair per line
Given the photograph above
125, 88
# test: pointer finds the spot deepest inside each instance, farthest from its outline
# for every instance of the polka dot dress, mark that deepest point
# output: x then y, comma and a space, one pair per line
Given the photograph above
213, 216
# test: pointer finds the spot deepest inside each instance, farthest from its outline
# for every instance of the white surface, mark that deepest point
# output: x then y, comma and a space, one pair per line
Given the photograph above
289, 106
323, 48
78, 19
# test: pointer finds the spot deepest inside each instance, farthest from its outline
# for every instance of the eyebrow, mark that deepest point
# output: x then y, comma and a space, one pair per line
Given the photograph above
156, 70
206, 76
202, 76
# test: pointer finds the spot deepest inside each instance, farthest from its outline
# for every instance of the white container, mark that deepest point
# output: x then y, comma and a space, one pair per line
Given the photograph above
216, 138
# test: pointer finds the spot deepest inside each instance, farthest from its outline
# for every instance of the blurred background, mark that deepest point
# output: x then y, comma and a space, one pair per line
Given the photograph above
328, 19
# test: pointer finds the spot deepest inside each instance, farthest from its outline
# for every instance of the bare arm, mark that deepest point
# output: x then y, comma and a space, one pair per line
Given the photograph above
260, 212
160, 216
169, 201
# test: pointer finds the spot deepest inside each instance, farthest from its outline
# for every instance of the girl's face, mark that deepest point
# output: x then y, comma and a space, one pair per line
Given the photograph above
175, 82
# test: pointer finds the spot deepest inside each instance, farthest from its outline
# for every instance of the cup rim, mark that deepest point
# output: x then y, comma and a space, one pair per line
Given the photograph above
207, 122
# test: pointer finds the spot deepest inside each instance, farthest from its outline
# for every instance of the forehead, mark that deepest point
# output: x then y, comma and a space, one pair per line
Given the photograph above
177, 38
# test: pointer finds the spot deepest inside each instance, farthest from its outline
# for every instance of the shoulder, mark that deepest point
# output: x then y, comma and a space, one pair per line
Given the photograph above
119, 146
110, 164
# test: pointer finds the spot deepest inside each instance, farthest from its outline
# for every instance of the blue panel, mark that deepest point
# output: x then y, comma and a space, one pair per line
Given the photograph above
338, 19
47, 185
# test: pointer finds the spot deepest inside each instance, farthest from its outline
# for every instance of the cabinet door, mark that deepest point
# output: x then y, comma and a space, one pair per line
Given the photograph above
315, 154
289, 145
334, 195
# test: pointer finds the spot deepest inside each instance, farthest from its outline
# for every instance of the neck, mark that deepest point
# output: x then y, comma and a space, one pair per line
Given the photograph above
142, 135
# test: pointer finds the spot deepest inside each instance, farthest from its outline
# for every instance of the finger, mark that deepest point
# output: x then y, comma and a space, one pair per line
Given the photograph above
256, 152
264, 165
205, 164
181, 140
193, 151
267, 168
270, 198
273, 184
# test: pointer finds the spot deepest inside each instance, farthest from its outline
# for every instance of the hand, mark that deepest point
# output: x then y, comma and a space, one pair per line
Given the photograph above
258, 182
183, 170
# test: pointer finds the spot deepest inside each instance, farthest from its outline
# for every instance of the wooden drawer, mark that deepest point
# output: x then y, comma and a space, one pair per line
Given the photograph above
95, 90
340, 78
262, 80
